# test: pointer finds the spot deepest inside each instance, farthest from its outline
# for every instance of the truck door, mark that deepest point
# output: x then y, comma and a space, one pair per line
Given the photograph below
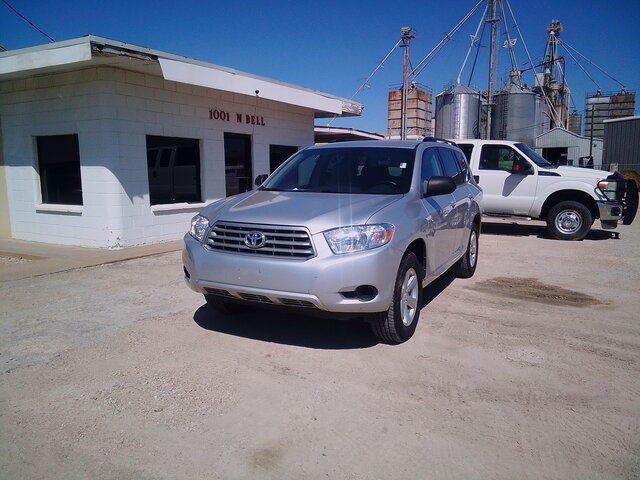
508, 180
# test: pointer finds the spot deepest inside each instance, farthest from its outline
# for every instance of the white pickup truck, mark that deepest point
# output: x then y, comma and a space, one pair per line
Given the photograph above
517, 181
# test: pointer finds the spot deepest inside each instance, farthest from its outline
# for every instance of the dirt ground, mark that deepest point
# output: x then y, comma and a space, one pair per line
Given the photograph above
529, 370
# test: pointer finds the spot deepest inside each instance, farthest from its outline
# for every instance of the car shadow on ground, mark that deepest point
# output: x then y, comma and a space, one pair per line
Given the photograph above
540, 231
300, 330
289, 328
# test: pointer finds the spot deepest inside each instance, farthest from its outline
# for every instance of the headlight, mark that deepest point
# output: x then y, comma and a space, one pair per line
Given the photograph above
199, 226
358, 238
609, 189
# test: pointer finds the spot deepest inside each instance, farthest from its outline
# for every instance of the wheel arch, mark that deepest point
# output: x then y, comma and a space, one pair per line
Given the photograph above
570, 195
419, 249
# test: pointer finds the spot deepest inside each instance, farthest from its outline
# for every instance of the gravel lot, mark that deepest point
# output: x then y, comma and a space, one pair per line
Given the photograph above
529, 370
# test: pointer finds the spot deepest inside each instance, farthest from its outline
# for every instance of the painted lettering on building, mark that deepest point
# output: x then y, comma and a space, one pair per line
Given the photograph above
225, 116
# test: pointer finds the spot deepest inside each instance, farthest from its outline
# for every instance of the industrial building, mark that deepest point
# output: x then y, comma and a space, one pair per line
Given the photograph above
418, 114
563, 147
600, 107
622, 144
105, 144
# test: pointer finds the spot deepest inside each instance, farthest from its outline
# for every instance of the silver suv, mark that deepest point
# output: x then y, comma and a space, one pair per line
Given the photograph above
352, 229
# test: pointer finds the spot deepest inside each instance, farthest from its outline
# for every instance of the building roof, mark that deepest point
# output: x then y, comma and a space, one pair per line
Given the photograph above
94, 51
623, 119
343, 134
554, 132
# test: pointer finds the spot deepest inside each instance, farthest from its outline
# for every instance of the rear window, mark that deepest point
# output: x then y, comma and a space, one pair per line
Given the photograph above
467, 149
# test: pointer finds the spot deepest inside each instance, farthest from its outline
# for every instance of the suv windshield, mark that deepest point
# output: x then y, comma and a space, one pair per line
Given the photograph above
534, 156
360, 170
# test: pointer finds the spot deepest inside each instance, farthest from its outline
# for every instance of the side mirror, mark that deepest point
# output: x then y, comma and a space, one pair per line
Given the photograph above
521, 167
438, 186
260, 179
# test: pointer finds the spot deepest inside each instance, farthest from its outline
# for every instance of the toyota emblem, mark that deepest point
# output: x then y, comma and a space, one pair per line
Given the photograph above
255, 239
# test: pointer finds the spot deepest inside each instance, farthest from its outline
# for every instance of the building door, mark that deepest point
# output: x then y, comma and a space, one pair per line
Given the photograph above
237, 162
556, 155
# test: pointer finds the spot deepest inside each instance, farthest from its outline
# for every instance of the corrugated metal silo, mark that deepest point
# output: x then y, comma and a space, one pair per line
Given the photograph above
459, 113
517, 116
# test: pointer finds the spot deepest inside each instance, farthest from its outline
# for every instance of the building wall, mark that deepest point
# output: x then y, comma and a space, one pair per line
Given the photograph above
5, 225
622, 143
577, 146
112, 111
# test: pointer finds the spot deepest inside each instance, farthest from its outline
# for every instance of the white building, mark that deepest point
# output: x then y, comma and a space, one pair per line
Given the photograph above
105, 144
563, 147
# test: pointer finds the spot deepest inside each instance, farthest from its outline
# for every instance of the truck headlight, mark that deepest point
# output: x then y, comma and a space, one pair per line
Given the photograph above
359, 237
609, 189
199, 227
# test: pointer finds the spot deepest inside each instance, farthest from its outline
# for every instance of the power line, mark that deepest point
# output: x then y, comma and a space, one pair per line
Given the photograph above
26, 19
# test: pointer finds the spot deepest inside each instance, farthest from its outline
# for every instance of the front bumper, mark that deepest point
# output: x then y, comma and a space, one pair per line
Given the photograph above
610, 214
325, 282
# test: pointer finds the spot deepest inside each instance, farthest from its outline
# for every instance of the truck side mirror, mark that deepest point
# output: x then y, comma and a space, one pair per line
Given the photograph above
521, 167
260, 179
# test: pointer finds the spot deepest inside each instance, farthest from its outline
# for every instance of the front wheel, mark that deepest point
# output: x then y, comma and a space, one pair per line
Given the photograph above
569, 221
398, 324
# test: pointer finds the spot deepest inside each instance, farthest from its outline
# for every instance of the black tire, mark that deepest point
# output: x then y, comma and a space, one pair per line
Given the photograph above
220, 306
466, 266
398, 324
630, 202
569, 220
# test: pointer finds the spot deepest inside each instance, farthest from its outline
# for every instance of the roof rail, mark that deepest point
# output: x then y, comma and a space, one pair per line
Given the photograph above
443, 140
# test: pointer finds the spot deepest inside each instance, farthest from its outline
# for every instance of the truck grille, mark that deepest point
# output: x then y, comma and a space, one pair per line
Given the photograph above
280, 241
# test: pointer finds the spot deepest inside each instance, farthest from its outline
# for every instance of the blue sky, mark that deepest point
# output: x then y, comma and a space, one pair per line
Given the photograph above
332, 46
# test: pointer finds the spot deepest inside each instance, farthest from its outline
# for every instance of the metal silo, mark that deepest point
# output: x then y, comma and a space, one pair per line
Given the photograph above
459, 113
518, 115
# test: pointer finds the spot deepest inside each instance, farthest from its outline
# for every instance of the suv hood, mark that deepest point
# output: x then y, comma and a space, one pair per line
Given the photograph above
581, 173
316, 211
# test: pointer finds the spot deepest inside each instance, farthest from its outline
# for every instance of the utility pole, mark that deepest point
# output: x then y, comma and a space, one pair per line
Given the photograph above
493, 51
406, 35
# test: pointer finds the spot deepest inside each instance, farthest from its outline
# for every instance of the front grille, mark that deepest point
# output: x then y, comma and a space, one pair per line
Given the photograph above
280, 241
219, 292
252, 297
290, 302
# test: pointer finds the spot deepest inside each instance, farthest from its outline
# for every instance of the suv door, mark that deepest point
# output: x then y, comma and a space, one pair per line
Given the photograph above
440, 235
508, 188
456, 167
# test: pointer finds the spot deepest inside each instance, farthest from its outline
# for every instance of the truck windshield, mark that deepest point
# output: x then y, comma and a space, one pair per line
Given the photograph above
534, 156
357, 170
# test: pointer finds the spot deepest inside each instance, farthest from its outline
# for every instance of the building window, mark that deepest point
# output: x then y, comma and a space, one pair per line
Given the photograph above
278, 154
237, 163
59, 168
173, 165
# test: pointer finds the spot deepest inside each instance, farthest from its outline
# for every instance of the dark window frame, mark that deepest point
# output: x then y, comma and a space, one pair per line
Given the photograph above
173, 174
59, 169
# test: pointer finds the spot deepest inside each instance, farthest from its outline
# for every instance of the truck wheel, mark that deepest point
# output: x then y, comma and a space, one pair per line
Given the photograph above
569, 220
220, 306
466, 266
398, 324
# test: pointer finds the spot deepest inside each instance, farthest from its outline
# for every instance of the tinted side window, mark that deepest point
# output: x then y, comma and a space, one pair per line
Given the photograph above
450, 164
467, 150
498, 157
431, 165
464, 165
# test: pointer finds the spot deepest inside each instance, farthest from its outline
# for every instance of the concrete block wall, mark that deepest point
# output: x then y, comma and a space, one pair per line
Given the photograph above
112, 111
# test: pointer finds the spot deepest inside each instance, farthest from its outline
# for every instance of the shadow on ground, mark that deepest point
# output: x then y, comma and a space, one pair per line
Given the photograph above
540, 231
299, 330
